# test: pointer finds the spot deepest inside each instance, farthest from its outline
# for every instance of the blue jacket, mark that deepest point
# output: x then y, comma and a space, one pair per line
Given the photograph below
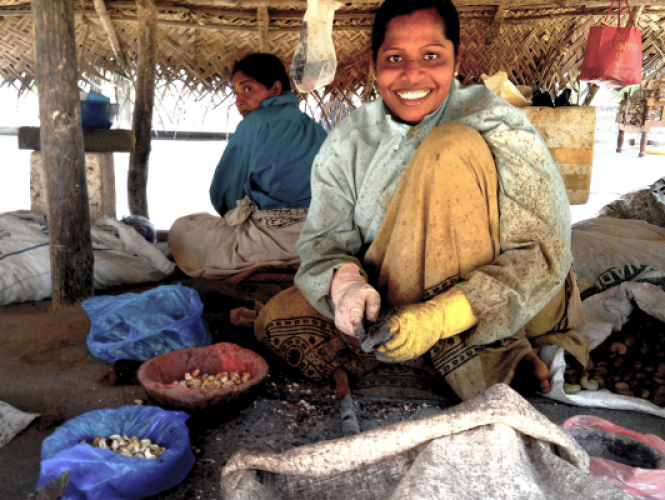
269, 158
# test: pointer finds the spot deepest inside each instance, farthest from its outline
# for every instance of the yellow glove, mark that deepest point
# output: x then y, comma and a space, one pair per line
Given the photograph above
414, 329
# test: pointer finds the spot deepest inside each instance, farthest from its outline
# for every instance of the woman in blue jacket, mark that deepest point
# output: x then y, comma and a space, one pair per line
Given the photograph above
261, 187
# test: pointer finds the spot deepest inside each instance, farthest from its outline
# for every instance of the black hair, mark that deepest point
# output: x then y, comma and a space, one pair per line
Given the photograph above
393, 8
265, 69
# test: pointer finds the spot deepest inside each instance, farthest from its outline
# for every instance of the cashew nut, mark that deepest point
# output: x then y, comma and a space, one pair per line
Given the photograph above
589, 385
600, 381
572, 388
619, 348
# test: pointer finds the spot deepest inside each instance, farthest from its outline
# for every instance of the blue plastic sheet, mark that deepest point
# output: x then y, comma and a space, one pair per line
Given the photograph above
98, 474
142, 326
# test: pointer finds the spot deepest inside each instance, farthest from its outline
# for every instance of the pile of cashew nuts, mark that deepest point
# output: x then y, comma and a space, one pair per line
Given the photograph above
132, 447
206, 381
633, 367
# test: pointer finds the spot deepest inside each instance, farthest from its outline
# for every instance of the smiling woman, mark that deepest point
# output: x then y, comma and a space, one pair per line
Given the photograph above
439, 231
415, 64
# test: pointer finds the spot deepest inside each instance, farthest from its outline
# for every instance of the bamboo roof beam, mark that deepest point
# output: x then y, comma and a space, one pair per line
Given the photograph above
637, 12
495, 26
462, 6
105, 19
263, 20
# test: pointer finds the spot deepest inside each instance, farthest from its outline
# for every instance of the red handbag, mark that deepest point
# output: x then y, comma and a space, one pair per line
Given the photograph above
613, 56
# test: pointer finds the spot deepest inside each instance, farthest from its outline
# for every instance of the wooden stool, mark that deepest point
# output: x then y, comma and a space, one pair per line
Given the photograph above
650, 112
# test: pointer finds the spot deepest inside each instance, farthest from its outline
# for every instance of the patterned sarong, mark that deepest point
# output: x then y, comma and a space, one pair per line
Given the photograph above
245, 238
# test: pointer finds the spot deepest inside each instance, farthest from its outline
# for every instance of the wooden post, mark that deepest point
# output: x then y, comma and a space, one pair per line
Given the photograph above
137, 178
622, 133
646, 126
62, 151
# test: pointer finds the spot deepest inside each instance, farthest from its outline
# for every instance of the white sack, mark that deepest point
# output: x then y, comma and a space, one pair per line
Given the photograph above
12, 422
495, 445
620, 263
609, 251
121, 256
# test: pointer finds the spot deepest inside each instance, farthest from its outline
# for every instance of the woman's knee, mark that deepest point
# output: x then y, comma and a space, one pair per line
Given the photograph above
451, 148
454, 136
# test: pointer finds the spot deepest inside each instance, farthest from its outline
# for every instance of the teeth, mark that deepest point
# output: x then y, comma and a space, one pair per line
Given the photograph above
413, 95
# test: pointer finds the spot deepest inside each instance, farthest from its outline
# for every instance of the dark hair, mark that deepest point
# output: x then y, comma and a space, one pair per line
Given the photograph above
394, 8
265, 69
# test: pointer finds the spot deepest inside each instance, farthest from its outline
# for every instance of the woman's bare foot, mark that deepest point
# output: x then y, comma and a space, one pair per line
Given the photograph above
539, 369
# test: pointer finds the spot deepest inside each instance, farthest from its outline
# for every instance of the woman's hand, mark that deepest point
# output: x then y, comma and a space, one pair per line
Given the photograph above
355, 300
410, 331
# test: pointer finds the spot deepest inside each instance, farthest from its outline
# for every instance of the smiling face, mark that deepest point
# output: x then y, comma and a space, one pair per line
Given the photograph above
250, 93
415, 65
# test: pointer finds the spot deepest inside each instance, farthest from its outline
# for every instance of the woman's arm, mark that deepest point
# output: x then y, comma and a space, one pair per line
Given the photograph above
329, 238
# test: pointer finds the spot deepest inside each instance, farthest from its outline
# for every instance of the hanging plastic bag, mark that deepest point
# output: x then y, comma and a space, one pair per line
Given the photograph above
613, 56
142, 326
640, 483
314, 62
98, 474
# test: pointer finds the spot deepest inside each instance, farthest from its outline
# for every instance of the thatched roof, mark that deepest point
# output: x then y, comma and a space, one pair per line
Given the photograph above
199, 40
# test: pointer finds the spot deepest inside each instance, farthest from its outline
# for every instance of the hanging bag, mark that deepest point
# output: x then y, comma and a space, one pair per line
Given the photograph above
613, 56
314, 62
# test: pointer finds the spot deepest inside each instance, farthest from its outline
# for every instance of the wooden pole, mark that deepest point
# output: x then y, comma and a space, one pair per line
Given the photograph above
137, 178
62, 151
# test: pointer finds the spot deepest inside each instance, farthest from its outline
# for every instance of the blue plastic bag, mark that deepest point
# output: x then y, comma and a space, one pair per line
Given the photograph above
144, 325
98, 474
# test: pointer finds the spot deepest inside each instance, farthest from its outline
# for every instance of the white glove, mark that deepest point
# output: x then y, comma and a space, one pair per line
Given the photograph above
354, 301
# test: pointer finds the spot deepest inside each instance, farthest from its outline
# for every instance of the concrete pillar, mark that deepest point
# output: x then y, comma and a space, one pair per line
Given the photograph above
100, 178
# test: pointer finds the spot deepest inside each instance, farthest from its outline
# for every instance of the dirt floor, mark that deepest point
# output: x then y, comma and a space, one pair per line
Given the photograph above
45, 367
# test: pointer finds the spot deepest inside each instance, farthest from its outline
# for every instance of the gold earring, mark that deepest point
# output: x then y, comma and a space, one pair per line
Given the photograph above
456, 73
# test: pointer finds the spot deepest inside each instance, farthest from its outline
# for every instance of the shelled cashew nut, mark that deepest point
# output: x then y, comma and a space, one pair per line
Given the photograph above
572, 388
589, 385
